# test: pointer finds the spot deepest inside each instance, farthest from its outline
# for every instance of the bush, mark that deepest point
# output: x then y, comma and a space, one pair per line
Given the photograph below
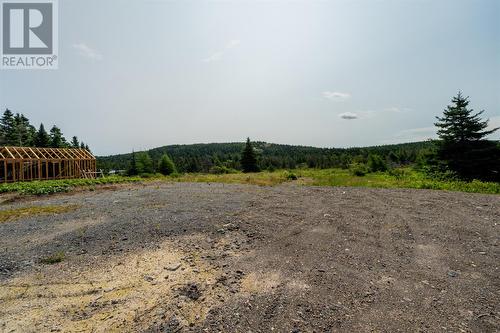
398, 173
376, 163
166, 166
53, 259
149, 175
359, 170
291, 176
221, 170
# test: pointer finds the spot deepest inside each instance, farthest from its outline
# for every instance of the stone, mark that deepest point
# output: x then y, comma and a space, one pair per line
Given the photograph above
173, 267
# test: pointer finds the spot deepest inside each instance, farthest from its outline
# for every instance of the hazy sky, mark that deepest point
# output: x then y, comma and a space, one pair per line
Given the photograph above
140, 74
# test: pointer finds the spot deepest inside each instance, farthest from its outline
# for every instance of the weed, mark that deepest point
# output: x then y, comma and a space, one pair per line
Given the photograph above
53, 259
17, 213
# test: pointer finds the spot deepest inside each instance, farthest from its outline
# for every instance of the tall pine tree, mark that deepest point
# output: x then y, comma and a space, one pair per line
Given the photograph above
75, 143
42, 138
463, 147
57, 139
248, 158
166, 166
132, 169
7, 128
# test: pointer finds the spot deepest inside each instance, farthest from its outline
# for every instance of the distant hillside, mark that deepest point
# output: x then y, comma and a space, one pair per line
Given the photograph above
202, 157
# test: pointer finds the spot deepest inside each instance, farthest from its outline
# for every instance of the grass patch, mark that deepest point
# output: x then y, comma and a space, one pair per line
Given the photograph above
63, 185
264, 178
17, 213
395, 178
53, 259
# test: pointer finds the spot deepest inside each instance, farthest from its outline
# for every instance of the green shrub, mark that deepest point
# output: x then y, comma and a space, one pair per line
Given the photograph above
397, 173
376, 163
53, 259
359, 170
221, 170
166, 166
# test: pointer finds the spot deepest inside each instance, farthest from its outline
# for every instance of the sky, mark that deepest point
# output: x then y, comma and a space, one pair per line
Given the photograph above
135, 75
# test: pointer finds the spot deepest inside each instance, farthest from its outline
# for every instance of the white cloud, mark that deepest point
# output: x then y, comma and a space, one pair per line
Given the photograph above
396, 109
233, 43
416, 134
348, 116
336, 95
86, 51
219, 54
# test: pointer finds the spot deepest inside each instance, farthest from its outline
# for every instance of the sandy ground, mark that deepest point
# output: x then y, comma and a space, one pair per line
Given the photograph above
188, 257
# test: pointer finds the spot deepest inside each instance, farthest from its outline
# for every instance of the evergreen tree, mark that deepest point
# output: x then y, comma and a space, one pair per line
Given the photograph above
82, 145
42, 138
144, 163
7, 127
460, 125
22, 132
132, 169
87, 148
74, 142
376, 163
57, 139
248, 158
463, 147
166, 166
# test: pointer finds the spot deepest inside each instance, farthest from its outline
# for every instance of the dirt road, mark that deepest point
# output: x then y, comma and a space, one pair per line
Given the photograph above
233, 258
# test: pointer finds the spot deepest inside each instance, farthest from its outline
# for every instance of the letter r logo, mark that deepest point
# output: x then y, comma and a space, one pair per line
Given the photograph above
27, 28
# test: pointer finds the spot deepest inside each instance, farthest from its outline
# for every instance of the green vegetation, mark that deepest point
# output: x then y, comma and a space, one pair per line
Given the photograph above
359, 176
463, 148
63, 185
248, 158
166, 166
14, 214
140, 164
201, 158
54, 258
396, 178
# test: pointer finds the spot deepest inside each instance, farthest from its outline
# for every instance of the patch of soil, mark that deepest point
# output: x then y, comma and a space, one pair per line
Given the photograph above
183, 257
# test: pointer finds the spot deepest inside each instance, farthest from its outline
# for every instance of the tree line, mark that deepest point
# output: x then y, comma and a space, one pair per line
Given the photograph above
227, 157
16, 130
462, 151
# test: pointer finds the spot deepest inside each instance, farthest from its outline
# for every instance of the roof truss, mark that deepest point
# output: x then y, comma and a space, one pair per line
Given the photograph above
38, 153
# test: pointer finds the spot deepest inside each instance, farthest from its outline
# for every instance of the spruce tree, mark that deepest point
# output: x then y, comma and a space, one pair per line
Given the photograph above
42, 138
248, 158
22, 131
132, 169
7, 127
166, 166
74, 142
57, 139
144, 163
463, 147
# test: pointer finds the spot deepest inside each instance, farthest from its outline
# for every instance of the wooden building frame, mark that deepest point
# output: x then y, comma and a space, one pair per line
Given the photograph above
32, 163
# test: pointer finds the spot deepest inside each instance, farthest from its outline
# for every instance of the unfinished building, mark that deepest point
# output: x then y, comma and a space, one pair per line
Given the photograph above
31, 163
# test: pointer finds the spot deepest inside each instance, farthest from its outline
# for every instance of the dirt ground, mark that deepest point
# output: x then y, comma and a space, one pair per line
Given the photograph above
182, 257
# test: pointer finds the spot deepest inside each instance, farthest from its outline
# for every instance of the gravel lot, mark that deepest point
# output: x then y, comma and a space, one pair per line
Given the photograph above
182, 257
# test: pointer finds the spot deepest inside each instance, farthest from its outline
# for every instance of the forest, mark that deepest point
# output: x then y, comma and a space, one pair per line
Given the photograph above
212, 157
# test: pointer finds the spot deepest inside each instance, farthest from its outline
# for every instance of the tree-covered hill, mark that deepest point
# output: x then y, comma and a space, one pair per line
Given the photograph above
203, 157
